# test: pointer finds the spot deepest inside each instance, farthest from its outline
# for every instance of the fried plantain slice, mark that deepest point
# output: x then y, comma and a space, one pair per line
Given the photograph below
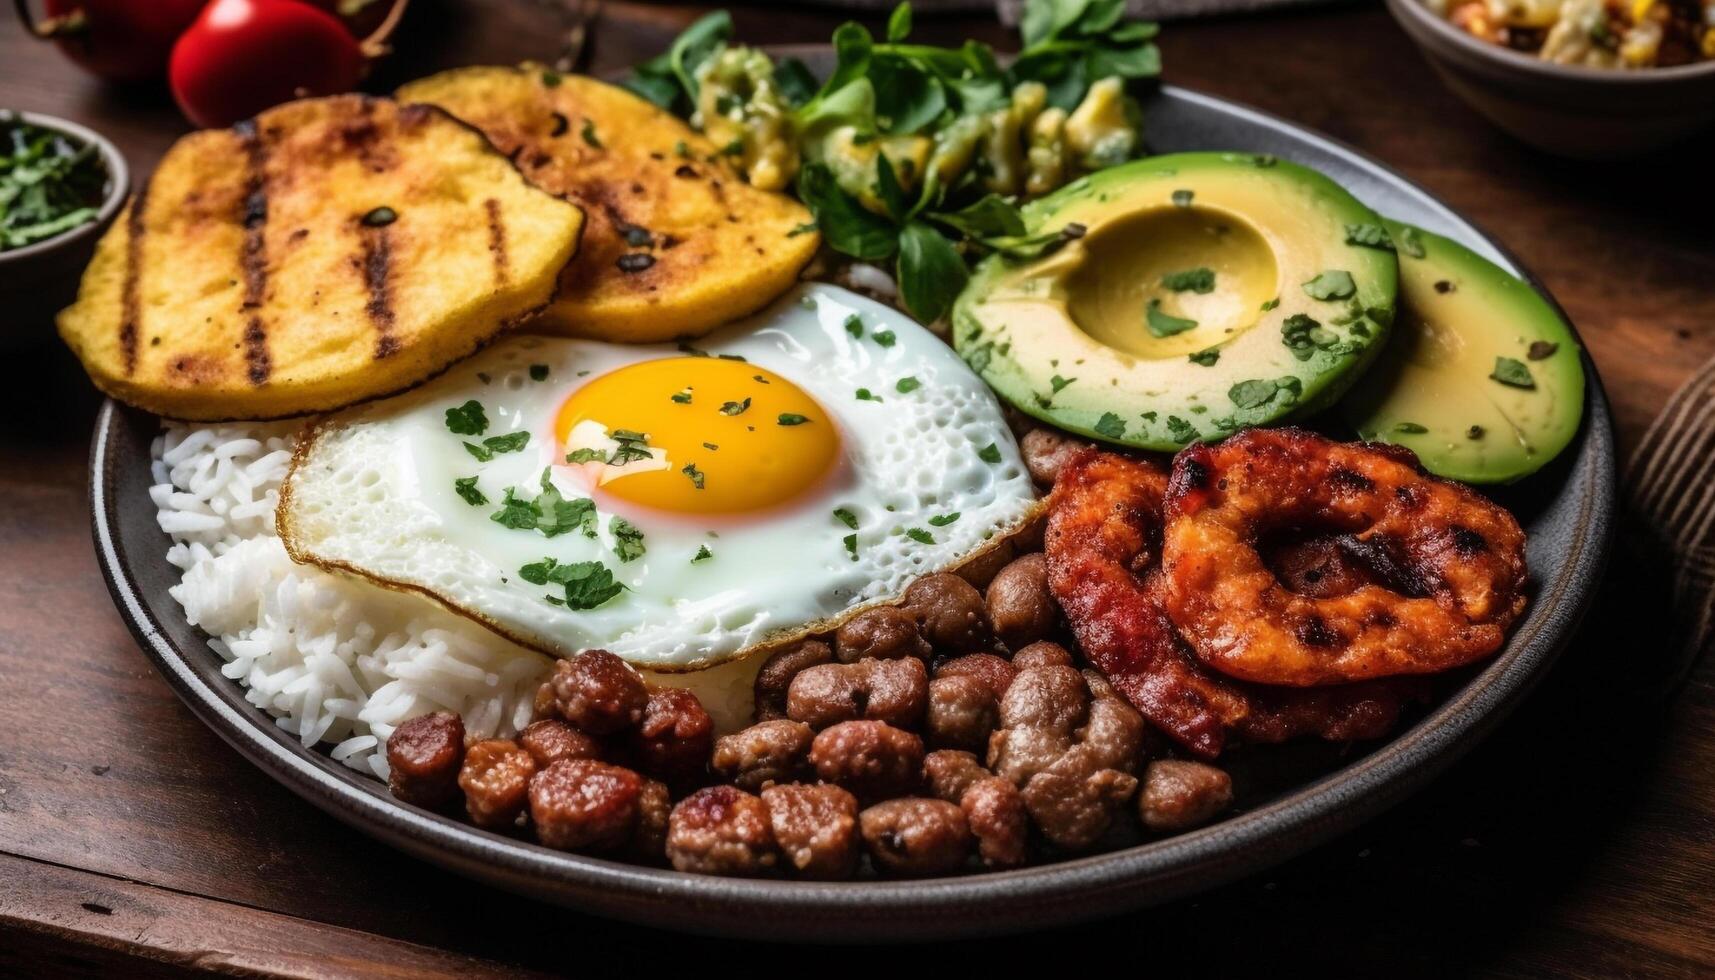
329, 251
678, 243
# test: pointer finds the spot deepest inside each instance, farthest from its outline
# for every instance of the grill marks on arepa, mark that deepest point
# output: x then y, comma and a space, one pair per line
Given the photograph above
329, 251
255, 259
677, 242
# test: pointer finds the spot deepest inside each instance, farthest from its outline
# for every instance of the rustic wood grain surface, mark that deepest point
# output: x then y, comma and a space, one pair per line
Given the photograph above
1578, 841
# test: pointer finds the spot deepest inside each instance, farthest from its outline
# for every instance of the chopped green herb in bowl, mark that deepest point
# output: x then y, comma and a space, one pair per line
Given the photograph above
50, 182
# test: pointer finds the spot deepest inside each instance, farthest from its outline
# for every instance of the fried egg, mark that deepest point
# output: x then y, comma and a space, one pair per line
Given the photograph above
678, 506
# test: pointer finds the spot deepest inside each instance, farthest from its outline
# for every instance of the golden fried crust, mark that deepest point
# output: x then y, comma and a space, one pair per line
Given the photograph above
1457, 556
242, 281
678, 242
1103, 533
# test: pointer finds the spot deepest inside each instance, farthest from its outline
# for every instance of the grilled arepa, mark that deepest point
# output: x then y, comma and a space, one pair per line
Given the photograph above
328, 251
677, 243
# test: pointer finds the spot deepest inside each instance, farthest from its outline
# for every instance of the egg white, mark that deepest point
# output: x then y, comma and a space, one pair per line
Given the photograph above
372, 492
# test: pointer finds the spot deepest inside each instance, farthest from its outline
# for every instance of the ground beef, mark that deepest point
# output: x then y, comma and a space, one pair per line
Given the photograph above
882, 633
894, 691
774, 680
1179, 794
915, 836
581, 804
872, 759
950, 613
496, 783
995, 812
996, 672
599, 693
815, 827
962, 712
675, 736
550, 740
1042, 654
949, 772
1019, 604
765, 753
721, 830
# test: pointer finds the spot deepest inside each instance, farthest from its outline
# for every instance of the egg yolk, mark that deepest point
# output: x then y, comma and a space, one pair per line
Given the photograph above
734, 437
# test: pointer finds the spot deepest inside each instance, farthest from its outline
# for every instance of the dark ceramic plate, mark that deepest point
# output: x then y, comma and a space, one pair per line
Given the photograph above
1296, 796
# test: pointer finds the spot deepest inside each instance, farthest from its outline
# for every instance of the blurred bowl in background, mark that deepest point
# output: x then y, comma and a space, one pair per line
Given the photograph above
1586, 113
40, 279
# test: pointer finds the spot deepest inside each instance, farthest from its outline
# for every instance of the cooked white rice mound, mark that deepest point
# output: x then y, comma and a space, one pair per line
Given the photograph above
334, 659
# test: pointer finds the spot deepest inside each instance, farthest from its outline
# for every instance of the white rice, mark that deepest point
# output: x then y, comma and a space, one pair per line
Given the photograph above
341, 660
333, 660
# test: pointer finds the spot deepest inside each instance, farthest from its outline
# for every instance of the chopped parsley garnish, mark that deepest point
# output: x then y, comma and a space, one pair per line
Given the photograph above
1270, 304
884, 337
711, 447
682, 397
791, 418
465, 487
846, 517
1180, 430
703, 554
1199, 280
944, 519
588, 133
1410, 429
538, 372
854, 325
588, 584
548, 512
759, 379
1369, 236
907, 385
468, 419
627, 539
1260, 391
1058, 384
493, 446
1512, 373
1331, 284
1182, 198
803, 229
696, 475
1163, 324
50, 183
550, 79
587, 456
735, 408
850, 542
1206, 357
989, 453
380, 217
1541, 349
865, 395
919, 535
633, 446
1304, 335
1110, 426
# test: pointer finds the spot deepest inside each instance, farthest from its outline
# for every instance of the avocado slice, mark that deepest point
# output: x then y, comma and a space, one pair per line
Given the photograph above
1207, 292
1482, 379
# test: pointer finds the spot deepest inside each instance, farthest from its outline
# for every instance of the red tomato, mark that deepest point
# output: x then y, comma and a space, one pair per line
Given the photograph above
242, 56
122, 40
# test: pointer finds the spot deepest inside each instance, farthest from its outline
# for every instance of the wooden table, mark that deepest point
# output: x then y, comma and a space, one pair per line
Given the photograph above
1579, 840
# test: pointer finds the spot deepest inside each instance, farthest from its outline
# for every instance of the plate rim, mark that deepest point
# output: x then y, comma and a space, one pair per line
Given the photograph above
976, 904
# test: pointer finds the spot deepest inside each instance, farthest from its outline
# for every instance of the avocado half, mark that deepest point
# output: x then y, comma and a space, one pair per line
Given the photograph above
1482, 379
1206, 293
